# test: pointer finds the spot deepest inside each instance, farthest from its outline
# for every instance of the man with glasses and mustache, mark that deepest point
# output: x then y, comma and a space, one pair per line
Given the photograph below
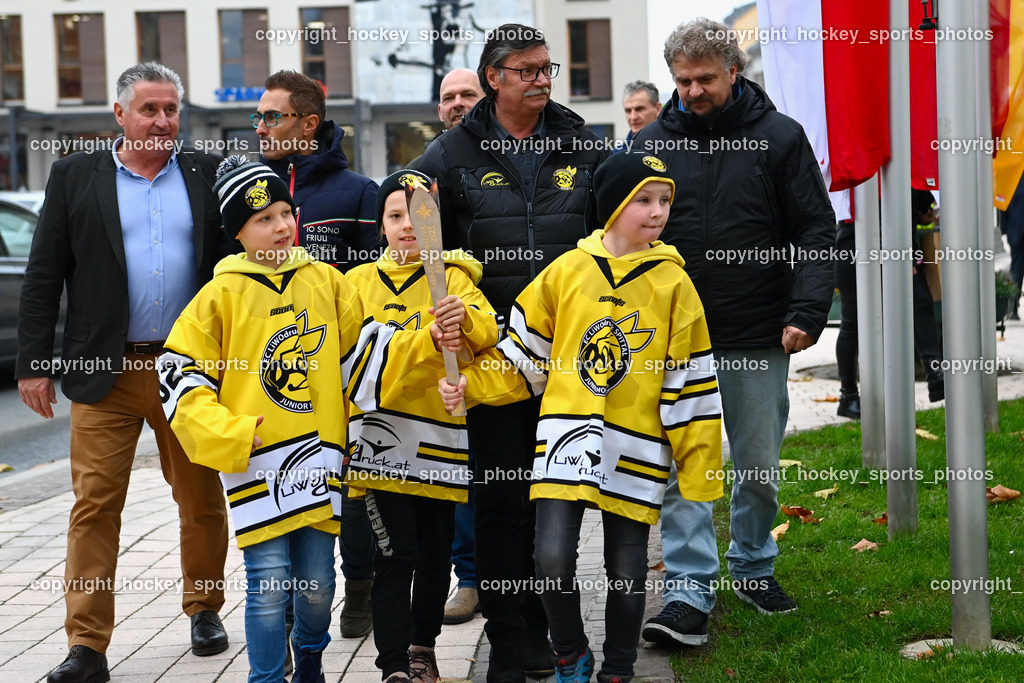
336, 221
515, 187
335, 204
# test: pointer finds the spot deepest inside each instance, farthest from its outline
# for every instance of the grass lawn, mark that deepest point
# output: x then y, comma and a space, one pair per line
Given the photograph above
831, 636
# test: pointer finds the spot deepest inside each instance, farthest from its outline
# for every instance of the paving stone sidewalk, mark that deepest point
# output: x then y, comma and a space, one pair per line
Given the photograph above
150, 640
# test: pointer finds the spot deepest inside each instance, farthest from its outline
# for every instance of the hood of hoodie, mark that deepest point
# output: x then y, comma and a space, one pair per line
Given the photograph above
750, 102
328, 158
560, 121
659, 251
456, 257
238, 263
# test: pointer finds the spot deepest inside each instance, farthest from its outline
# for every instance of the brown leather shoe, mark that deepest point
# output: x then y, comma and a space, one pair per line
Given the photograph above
463, 605
82, 665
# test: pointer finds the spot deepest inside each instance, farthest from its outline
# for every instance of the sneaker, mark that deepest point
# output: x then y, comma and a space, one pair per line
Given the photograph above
602, 677
765, 594
574, 668
678, 624
423, 666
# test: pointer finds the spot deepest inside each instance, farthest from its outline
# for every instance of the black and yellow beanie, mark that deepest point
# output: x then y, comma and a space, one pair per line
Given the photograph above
399, 180
621, 176
245, 188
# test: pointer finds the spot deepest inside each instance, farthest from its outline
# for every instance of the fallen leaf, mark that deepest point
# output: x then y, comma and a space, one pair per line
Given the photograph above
730, 673
807, 519
1000, 494
883, 520
864, 544
660, 567
879, 613
780, 531
925, 434
825, 493
4, 467
790, 463
829, 398
801, 379
796, 511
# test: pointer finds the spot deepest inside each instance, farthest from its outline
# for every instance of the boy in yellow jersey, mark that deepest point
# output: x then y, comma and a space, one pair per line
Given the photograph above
614, 336
253, 383
410, 459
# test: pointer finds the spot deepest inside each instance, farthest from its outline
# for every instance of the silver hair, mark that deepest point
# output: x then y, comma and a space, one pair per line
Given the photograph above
702, 39
502, 43
150, 72
646, 86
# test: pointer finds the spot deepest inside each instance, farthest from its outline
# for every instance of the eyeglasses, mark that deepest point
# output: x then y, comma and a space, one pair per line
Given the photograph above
270, 119
532, 73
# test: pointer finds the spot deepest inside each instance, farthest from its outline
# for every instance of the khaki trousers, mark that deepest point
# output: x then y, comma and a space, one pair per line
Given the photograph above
104, 436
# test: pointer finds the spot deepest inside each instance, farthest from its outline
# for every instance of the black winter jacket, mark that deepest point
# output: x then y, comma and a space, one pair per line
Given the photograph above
336, 217
484, 207
751, 217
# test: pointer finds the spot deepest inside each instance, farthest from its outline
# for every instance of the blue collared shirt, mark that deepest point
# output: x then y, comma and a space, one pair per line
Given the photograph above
156, 226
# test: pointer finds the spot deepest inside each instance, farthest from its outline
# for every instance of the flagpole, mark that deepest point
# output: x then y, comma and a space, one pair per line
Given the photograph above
898, 314
986, 222
869, 325
957, 90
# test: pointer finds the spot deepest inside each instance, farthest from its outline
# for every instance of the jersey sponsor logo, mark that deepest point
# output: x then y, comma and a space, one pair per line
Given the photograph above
494, 179
397, 307
605, 351
257, 196
570, 451
376, 437
564, 178
613, 299
285, 364
281, 309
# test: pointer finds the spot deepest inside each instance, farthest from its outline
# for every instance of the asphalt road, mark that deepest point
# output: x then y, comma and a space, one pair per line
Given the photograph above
27, 440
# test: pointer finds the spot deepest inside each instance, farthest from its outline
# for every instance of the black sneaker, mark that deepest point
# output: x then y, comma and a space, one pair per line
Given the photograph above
765, 594
678, 624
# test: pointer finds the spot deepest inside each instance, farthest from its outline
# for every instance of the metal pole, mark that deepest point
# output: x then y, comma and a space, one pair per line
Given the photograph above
986, 222
869, 325
898, 313
13, 147
965, 435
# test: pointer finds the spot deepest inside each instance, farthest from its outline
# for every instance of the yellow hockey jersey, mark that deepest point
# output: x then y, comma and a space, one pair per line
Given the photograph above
620, 349
286, 344
413, 446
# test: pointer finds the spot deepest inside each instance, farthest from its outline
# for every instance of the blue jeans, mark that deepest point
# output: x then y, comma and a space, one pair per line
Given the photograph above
755, 408
303, 559
625, 559
463, 556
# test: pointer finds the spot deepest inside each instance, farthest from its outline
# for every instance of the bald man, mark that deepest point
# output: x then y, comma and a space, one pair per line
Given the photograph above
460, 90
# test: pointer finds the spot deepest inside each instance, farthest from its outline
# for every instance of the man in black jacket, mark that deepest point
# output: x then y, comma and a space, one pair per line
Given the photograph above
132, 233
752, 219
515, 189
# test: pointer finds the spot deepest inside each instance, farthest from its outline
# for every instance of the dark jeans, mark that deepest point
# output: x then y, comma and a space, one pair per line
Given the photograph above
411, 535
926, 329
463, 556
504, 439
356, 540
625, 559
846, 341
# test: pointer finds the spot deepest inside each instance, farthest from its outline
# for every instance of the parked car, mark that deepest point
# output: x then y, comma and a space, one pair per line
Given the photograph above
17, 227
33, 201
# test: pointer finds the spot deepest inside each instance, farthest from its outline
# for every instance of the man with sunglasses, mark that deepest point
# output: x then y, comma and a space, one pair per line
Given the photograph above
515, 188
335, 204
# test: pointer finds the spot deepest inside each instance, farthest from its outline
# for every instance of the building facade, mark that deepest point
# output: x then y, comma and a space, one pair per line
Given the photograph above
380, 61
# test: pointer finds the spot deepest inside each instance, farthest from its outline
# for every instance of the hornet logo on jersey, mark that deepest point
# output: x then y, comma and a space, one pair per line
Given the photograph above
605, 351
285, 363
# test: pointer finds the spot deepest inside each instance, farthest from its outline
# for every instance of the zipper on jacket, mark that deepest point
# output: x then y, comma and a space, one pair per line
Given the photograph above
705, 202
530, 241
